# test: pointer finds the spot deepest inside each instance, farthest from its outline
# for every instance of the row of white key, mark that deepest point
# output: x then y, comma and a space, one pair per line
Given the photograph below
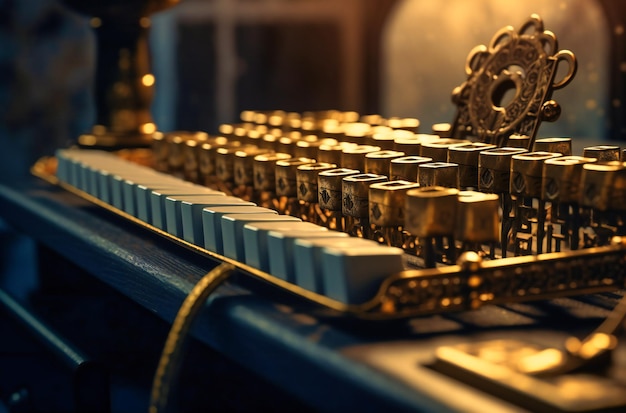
331, 263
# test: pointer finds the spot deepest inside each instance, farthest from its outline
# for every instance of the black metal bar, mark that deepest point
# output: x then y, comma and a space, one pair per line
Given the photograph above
91, 382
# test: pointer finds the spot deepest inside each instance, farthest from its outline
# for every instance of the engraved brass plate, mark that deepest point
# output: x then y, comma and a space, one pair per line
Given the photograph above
509, 85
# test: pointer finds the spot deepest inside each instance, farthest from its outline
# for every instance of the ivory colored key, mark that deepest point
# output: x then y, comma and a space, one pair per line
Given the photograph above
212, 223
307, 253
255, 239
68, 166
154, 180
128, 177
73, 164
89, 168
143, 206
63, 164
280, 246
308, 259
353, 275
157, 201
232, 231
173, 208
191, 214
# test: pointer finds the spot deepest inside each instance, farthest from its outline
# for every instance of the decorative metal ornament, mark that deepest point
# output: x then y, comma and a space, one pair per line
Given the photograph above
510, 83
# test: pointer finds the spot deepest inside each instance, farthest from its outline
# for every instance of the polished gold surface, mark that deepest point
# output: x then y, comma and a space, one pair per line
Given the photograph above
286, 175
438, 148
353, 157
411, 144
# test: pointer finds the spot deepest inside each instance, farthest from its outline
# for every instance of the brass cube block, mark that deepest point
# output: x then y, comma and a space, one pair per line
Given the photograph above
494, 169
387, 201
431, 211
307, 180
355, 194
478, 217
554, 145
438, 174
562, 178
379, 162
329, 187
602, 153
466, 156
604, 186
264, 170
405, 168
527, 172
354, 157
286, 175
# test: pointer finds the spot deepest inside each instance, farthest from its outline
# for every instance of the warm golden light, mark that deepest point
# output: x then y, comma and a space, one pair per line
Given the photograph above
148, 80
148, 128
541, 361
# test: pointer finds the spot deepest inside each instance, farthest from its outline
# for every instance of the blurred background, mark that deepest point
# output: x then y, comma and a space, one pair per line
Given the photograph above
214, 58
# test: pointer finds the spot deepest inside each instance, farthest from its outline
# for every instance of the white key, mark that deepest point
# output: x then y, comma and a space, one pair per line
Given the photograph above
232, 231
63, 165
157, 201
255, 239
354, 275
212, 223
173, 210
191, 214
143, 205
307, 257
280, 250
154, 180
125, 176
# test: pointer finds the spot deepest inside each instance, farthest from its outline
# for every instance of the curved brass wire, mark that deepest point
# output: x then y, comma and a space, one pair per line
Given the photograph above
171, 357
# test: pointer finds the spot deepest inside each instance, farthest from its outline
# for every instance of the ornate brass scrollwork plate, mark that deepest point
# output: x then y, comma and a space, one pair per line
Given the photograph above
509, 84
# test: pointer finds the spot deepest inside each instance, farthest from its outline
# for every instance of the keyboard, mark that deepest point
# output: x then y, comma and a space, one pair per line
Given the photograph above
474, 234
500, 225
